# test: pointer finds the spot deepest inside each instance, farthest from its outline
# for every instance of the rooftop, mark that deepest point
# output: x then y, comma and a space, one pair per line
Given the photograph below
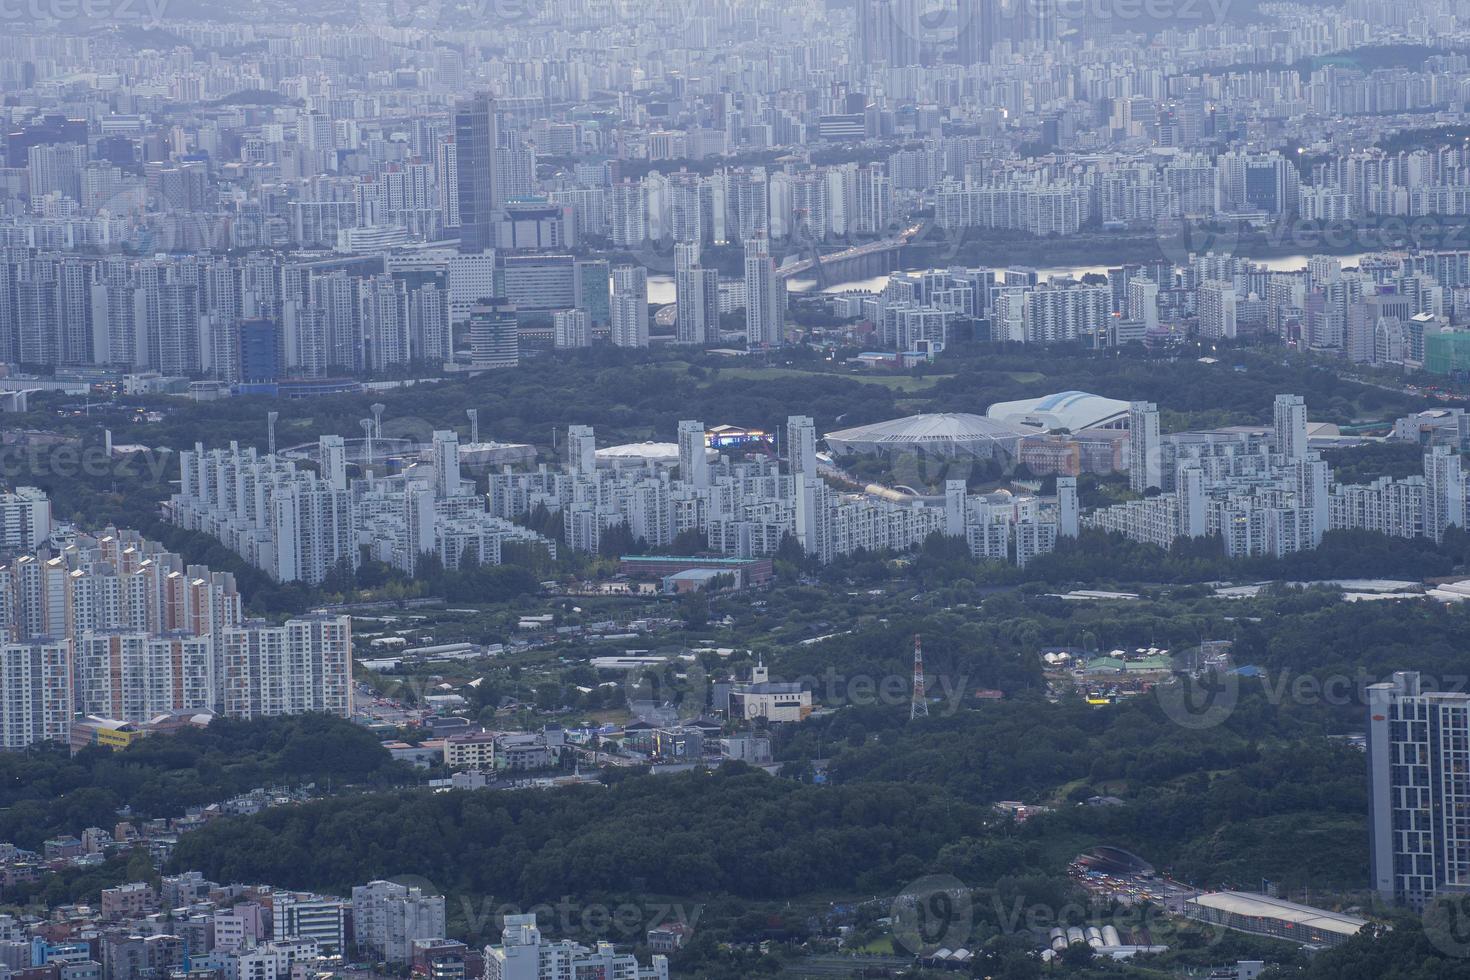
1266, 907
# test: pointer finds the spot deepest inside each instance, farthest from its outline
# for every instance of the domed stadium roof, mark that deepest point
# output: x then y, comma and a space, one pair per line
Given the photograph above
1064, 410
947, 434
639, 454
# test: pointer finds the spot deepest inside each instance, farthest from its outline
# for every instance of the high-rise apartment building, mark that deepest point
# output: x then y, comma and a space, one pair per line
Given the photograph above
1145, 462
765, 297
1418, 790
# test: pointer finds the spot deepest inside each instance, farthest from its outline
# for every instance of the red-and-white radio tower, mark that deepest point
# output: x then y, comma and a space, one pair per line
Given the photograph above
920, 706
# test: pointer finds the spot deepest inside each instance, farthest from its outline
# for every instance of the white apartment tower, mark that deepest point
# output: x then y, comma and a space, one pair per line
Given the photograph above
629, 306
1290, 423
693, 457
1145, 462
765, 297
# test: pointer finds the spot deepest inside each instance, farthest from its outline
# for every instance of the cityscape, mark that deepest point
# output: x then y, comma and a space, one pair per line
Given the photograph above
719, 489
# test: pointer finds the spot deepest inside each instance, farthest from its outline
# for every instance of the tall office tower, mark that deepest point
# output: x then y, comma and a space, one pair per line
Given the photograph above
629, 306
693, 459
1418, 784
1067, 506
571, 329
258, 351
581, 451
801, 445
1145, 461
1290, 423
495, 338
1444, 479
55, 168
476, 141
765, 297
445, 446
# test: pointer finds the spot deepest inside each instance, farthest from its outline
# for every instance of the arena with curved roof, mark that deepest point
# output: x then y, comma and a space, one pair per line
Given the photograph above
945, 435
1074, 410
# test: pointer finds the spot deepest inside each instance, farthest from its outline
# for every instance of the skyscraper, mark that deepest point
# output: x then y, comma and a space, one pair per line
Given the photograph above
446, 463
1444, 504
1418, 790
693, 458
581, 451
1290, 416
629, 306
801, 445
1145, 464
476, 139
1067, 506
765, 297
571, 329
697, 298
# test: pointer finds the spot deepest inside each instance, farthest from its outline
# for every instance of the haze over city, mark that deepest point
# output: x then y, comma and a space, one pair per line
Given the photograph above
715, 489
